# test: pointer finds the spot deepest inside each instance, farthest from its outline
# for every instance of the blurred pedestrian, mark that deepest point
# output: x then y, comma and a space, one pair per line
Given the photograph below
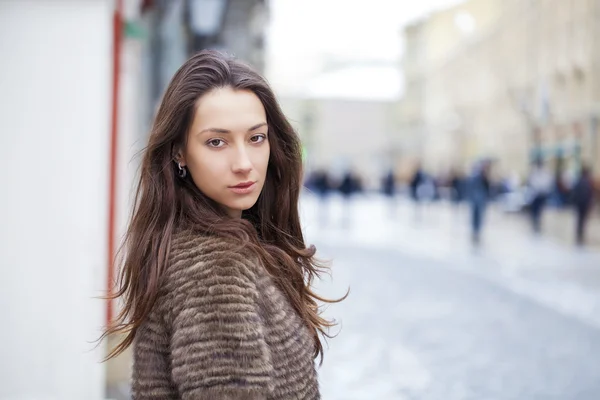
456, 186
321, 183
349, 186
388, 186
416, 181
582, 197
213, 284
478, 194
540, 185
560, 190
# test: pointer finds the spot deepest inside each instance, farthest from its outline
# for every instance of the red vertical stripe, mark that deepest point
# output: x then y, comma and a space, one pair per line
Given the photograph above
112, 191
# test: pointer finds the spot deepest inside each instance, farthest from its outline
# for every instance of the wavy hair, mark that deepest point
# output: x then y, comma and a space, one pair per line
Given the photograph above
165, 203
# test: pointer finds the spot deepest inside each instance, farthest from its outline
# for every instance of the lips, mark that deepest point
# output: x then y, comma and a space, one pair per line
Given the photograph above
243, 185
243, 188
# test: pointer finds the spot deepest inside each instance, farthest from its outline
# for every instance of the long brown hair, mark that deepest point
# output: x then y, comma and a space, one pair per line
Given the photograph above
164, 202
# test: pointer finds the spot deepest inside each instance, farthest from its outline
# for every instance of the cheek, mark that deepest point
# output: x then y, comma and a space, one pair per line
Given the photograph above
263, 158
205, 167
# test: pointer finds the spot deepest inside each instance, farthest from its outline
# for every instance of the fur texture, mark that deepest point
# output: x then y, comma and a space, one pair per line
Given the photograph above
221, 330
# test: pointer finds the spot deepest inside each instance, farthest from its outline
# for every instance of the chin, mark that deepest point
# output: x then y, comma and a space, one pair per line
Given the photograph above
242, 205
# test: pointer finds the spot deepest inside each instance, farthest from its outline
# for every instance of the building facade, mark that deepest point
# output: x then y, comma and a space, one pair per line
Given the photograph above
54, 151
511, 80
429, 43
176, 29
341, 135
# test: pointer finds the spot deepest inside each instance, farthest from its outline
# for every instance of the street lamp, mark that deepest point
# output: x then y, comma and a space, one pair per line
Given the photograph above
205, 21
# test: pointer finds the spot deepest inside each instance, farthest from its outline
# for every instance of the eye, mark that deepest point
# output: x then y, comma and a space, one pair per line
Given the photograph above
216, 143
258, 138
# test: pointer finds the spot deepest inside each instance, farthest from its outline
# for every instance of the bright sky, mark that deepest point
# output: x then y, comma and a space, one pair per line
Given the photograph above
340, 48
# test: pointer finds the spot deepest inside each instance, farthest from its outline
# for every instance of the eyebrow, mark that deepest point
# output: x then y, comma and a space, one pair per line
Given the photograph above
221, 130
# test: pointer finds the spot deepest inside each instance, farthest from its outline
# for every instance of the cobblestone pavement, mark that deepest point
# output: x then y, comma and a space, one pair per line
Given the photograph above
429, 317
561, 276
415, 329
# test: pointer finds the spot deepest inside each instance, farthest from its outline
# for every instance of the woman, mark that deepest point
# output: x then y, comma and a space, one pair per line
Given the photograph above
216, 275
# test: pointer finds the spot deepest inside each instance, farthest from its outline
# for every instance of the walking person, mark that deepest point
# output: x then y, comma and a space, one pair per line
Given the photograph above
583, 195
349, 186
388, 186
540, 185
457, 187
560, 189
215, 279
322, 186
421, 189
478, 194
416, 181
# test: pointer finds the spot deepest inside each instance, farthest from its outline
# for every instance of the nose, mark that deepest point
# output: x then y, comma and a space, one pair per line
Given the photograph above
241, 163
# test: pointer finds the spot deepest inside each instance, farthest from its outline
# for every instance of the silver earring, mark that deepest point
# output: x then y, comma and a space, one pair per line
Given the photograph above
182, 170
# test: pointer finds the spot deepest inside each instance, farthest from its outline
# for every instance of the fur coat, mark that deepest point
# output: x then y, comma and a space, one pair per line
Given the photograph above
221, 330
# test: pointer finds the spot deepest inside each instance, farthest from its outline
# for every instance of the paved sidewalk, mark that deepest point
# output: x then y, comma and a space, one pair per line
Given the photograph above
414, 328
558, 275
560, 225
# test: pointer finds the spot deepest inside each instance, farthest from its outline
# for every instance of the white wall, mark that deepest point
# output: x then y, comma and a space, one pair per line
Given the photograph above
55, 87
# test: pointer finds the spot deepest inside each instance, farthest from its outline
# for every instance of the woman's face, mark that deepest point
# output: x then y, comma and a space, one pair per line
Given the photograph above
227, 149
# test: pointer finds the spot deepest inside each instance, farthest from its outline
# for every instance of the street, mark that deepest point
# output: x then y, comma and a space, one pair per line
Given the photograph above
430, 317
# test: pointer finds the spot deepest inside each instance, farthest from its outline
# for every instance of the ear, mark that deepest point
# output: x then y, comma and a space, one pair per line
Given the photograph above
179, 157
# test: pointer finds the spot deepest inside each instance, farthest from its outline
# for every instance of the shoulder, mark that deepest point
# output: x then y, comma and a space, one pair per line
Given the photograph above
207, 261
214, 326
209, 279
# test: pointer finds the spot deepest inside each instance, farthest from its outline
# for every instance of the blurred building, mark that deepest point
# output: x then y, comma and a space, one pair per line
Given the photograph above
55, 110
411, 114
429, 44
345, 134
510, 79
178, 28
